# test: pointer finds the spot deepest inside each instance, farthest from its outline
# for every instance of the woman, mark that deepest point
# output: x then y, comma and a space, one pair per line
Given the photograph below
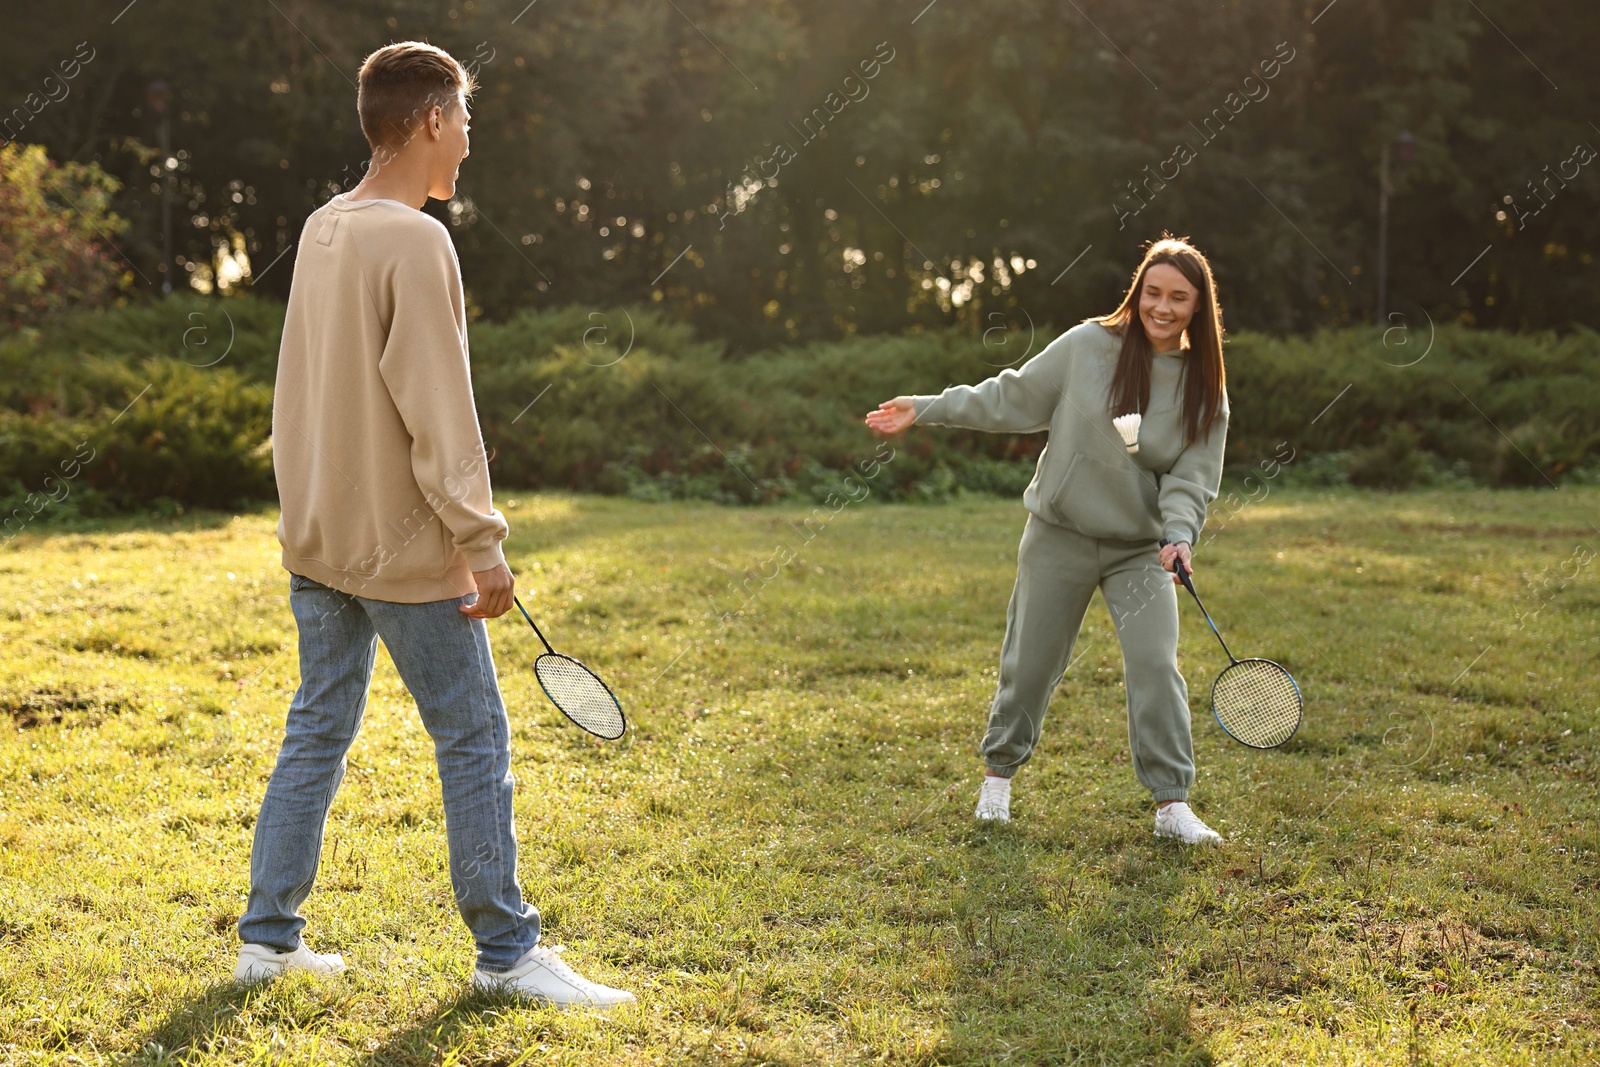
1097, 508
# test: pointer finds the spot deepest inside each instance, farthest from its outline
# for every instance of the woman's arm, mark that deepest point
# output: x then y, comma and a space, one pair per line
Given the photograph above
1013, 401
1192, 483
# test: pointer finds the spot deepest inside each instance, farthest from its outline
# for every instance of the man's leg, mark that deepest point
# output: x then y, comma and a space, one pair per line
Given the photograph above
337, 645
443, 658
1057, 570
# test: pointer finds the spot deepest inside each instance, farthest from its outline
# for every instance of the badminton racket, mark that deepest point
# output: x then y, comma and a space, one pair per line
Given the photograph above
1255, 701
575, 690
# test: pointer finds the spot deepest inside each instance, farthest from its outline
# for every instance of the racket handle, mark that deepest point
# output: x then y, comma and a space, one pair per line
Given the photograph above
536, 629
1177, 568
1188, 583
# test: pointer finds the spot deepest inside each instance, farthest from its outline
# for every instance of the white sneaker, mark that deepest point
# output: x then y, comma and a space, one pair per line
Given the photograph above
258, 963
1178, 821
994, 799
544, 976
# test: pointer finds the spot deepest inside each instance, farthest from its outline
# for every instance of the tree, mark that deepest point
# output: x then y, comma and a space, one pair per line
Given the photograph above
1001, 133
55, 229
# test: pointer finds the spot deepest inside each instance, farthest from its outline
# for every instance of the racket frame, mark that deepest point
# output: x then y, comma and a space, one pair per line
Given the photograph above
550, 652
1299, 702
1188, 583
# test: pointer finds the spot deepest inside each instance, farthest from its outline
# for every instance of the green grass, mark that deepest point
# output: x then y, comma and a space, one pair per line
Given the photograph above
780, 857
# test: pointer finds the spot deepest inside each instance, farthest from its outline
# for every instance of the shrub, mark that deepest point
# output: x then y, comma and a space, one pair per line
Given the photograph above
1397, 462
1461, 399
55, 225
134, 432
676, 416
626, 401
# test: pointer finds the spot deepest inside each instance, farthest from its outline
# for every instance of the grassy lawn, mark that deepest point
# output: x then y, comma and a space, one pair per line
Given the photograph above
780, 858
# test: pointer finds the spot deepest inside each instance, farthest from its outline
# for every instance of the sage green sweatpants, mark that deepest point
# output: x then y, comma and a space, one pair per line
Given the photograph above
1057, 573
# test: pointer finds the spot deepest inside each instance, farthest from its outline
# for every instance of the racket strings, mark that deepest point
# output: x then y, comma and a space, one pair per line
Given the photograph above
1257, 702
580, 695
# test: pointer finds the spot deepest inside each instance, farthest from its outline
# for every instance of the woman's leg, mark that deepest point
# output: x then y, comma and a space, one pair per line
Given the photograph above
1144, 610
1057, 571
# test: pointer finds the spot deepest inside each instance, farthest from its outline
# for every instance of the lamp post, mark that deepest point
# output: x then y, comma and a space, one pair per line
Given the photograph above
1405, 150
158, 95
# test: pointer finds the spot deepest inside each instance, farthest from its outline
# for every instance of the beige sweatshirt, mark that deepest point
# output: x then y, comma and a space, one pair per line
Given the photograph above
375, 441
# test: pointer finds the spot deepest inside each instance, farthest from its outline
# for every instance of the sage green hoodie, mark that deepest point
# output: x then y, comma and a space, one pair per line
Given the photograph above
1086, 480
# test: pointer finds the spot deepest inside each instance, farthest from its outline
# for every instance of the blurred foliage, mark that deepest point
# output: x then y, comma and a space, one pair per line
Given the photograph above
54, 220
608, 139
112, 411
1500, 408
174, 398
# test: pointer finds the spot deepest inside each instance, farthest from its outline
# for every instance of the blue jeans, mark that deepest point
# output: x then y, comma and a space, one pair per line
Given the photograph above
443, 658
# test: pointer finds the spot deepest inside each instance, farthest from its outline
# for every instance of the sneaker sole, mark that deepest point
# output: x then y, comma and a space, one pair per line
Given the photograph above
254, 976
263, 971
506, 989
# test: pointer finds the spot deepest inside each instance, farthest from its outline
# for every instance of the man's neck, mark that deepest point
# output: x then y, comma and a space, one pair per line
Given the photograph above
392, 184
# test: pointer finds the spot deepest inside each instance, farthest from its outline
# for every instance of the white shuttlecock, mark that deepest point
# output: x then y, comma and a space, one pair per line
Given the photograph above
1128, 427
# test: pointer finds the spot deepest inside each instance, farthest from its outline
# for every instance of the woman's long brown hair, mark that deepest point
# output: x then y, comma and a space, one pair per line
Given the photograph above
1204, 379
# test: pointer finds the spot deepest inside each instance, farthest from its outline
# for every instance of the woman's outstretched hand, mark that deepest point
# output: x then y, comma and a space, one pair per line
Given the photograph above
1175, 556
893, 416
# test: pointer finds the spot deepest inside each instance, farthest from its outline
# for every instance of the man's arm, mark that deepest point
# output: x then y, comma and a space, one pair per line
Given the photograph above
425, 366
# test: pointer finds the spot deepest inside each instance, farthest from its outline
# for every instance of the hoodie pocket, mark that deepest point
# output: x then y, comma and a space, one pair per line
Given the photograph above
1117, 501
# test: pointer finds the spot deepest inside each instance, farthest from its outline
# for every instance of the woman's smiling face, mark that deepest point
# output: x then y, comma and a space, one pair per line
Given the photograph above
1166, 304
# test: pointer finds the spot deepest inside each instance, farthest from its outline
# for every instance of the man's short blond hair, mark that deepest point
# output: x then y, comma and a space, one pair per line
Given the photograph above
400, 83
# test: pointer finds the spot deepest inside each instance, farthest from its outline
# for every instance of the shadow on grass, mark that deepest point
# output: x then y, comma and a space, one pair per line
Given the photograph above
427, 1040
190, 1026
191, 1023
40, 534
1060, 940
589, 516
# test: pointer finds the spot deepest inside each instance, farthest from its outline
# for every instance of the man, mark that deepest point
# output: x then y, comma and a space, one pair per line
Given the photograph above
388, 530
